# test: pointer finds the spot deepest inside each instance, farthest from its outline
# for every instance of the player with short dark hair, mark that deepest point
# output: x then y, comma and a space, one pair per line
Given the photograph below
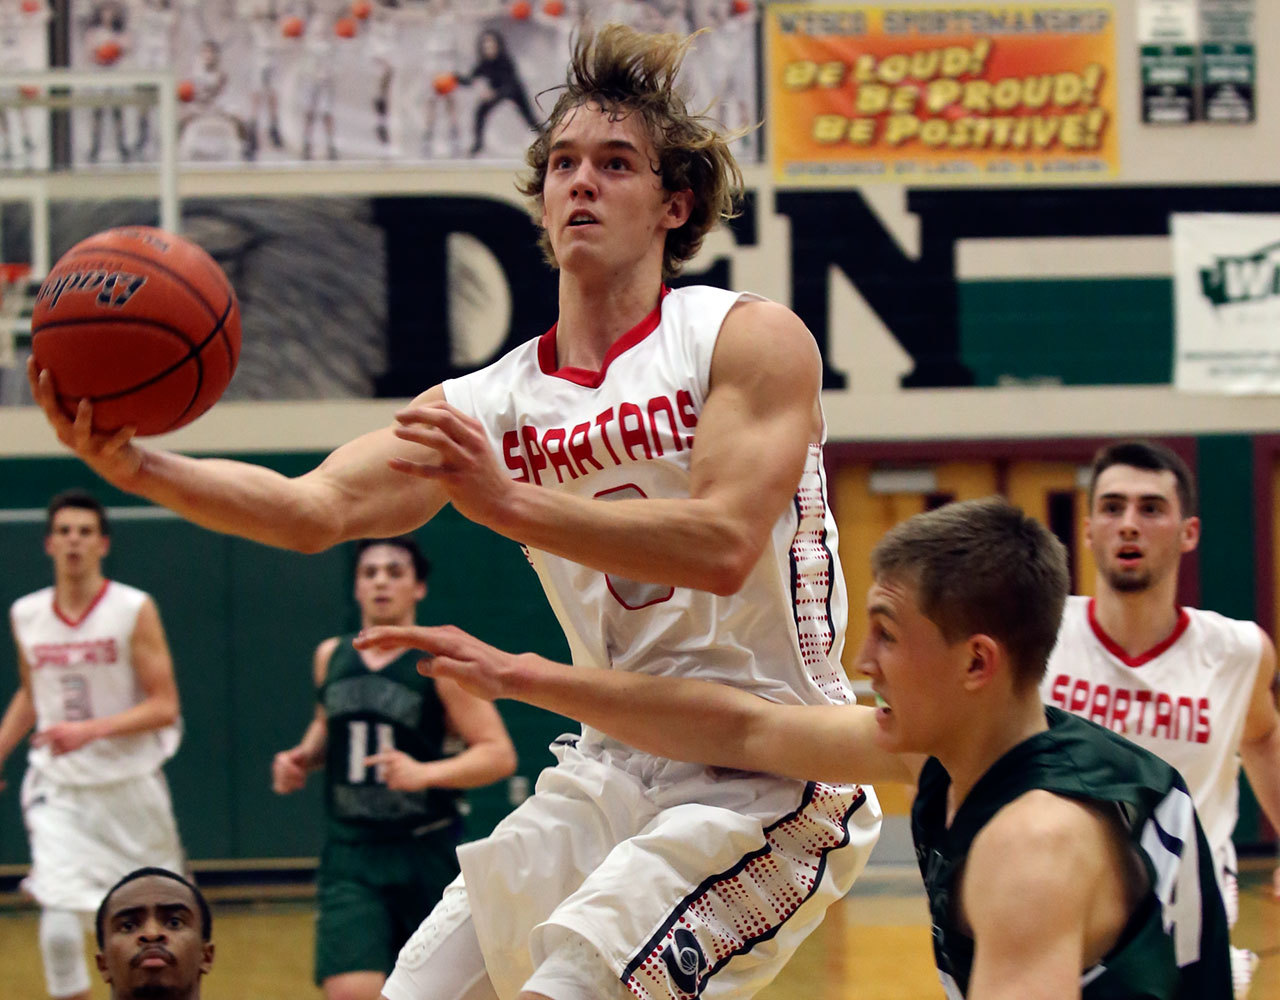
1060, 860
383, 735
1193, 686
96, 682
155, 937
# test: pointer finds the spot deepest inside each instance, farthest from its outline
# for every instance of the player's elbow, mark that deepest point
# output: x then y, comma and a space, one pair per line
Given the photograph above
505, 761
312, 527
728, 572
167, 710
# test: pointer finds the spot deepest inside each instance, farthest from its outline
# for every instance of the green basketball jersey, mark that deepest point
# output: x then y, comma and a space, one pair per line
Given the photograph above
1175, 945
370, 711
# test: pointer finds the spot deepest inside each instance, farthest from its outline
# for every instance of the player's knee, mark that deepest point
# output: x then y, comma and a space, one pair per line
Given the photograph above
62, 949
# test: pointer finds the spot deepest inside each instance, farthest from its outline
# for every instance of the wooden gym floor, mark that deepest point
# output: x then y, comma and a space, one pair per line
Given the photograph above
872, 946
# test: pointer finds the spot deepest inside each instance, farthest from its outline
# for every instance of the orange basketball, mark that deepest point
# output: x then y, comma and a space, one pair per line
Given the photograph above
445, 83
361, 9
345, 27
186, 90
742, 6
521, 10
31, 6
553, 8
291, 27
107, 52
142, 323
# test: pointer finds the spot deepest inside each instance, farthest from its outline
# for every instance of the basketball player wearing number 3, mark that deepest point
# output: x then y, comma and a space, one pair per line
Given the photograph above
97, 684
659, 456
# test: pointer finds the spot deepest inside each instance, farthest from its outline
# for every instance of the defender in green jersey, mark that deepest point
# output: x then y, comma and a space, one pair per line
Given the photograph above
380, 733
1060, 860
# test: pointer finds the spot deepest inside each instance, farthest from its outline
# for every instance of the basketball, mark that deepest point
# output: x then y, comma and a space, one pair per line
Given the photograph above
553, 8
107, 53
345, 27
291, 27
521, 10
445, 83
142, 323
361, 9
186, 91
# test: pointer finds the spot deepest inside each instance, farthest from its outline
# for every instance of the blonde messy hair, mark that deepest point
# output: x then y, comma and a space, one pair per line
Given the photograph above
625, 72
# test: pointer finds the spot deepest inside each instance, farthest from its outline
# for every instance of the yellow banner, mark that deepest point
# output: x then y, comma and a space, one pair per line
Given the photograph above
961, 93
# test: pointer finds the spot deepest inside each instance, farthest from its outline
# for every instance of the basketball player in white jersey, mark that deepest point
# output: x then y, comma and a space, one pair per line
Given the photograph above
23, 45
267, 47
97, 684
1192, 686
155, 24
659, 456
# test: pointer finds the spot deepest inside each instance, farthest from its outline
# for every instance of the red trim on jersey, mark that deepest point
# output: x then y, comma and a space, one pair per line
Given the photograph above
585, 376
102, 592
1114, 649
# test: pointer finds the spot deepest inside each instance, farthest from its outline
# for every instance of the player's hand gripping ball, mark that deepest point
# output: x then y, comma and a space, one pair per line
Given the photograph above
142, 323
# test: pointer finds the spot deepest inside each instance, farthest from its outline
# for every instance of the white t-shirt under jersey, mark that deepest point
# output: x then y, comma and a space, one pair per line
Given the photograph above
1185, 700
628, 432
84, 670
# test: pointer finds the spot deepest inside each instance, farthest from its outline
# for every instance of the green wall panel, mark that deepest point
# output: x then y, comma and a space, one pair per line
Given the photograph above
1075, 331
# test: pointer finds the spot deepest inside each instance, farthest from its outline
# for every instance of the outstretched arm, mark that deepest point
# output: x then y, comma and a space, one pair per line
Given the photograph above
673, 717
352, 494
753, 436
1260, 742
153, 668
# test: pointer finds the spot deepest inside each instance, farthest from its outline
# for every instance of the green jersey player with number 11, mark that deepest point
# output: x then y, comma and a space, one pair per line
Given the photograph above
380, 732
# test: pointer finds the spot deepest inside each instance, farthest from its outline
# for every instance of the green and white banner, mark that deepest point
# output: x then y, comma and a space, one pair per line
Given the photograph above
1227, 303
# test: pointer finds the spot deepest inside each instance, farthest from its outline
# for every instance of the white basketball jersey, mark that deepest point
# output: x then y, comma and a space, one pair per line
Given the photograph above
1185, 700
627, 432
84, 670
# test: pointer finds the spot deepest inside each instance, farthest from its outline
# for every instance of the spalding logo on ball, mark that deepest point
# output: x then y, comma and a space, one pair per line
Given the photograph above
142, 323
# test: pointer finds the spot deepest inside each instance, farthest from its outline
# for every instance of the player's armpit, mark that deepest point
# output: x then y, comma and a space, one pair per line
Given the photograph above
1047, 890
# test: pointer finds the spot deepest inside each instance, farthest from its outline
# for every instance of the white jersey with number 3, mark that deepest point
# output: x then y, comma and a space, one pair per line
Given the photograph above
627, 432
83, 669
1185, 700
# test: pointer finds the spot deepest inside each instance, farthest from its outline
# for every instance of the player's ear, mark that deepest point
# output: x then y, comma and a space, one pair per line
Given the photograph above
1190, 534
984, 657
679, 208
206, 959
101, 961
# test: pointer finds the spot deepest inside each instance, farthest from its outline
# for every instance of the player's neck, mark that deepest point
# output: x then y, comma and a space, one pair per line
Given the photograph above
1137, 621
995, 728
74, 594
595, 312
